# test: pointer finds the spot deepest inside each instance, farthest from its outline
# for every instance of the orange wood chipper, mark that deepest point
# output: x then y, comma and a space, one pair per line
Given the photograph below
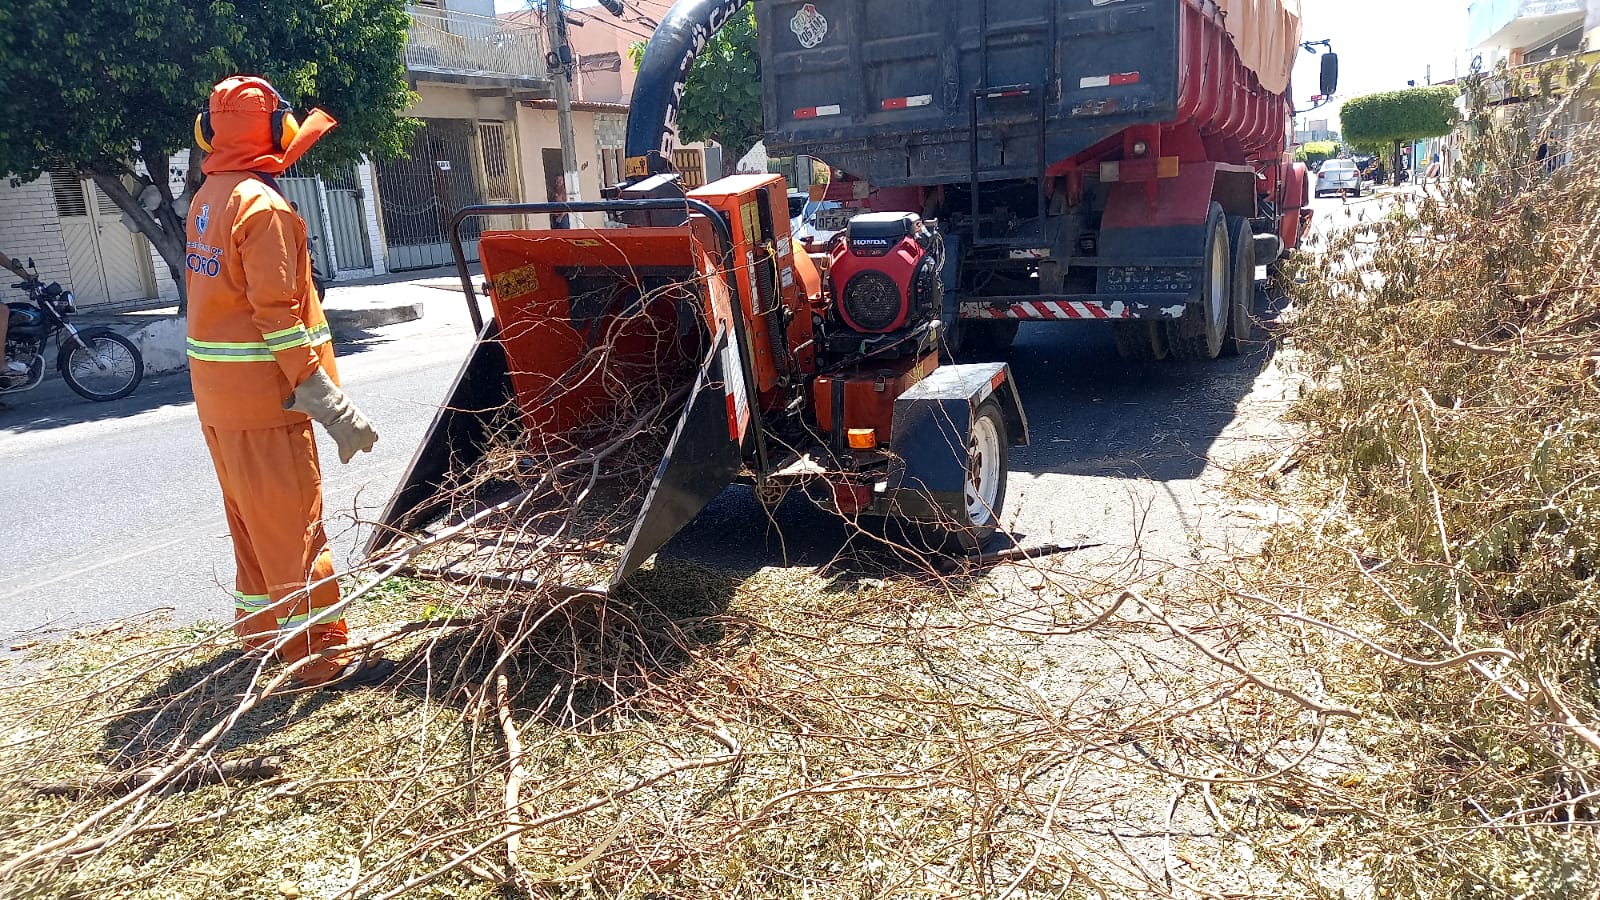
761, 361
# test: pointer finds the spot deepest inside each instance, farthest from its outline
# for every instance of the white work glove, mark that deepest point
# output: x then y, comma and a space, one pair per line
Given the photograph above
321, 399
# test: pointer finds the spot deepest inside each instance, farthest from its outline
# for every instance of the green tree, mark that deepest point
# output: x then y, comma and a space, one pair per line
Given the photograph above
1314, 152
110, 89
722, 99
1395, 117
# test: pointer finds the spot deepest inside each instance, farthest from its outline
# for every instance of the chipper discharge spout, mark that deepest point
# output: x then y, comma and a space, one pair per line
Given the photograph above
629, 375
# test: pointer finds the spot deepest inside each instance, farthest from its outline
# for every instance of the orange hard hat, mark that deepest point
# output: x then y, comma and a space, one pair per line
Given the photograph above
247, 126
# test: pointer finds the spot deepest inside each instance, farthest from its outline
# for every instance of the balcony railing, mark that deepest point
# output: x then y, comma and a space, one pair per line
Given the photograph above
461, 46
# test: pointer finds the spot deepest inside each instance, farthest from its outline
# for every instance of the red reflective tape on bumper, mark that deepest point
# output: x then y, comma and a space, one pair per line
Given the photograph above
1047, 310
1116, 79
908, 102
812, 112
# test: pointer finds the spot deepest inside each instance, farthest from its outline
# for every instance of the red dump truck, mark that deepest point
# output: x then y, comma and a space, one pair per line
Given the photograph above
1120, 161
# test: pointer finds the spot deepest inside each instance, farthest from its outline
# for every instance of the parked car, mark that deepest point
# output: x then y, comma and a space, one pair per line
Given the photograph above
1340, 175
803, 224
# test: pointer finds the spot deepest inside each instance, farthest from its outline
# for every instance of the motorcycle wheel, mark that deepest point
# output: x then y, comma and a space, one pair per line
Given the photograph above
109, 368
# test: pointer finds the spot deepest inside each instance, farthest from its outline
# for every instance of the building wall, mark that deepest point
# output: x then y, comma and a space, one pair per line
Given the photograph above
29, 227
596, 37
537, 131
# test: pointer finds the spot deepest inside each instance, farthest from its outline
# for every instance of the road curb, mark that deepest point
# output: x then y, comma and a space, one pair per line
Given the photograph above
367, 317
162, 345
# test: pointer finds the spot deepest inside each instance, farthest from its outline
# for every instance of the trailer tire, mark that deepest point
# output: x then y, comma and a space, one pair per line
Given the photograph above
1242, 282
1199, 333
1140, 340
988, 462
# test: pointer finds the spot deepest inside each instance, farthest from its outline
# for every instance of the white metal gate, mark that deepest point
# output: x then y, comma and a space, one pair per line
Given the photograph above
419, 193
106, 262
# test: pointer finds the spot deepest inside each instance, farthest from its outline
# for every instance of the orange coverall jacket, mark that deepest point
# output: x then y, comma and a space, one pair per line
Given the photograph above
256, 327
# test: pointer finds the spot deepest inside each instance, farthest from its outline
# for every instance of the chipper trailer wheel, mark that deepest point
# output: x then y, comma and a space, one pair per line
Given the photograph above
1242, 297
984, 492
1199, 334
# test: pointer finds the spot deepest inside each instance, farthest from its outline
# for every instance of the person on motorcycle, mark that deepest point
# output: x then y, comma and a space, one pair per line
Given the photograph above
262, 365
11, 367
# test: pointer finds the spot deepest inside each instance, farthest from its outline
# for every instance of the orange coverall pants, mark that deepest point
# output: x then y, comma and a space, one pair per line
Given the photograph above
271, 489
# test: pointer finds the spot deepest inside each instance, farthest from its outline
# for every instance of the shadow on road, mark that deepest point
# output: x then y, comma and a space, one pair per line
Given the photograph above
53, 404
1092, 413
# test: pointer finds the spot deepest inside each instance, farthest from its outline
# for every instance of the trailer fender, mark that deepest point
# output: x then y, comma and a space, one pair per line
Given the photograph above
932, 425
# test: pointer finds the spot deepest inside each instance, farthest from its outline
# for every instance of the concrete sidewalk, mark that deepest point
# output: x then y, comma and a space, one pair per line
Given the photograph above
351, 306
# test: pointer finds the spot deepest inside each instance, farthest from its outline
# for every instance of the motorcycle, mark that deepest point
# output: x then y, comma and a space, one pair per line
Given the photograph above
97, 363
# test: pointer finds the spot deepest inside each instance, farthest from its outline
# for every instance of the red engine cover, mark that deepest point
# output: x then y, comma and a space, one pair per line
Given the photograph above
898, 266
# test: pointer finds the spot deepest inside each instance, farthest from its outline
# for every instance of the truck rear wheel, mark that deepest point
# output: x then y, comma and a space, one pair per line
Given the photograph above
1198, 335
1243, 283
989, 338
1140, 340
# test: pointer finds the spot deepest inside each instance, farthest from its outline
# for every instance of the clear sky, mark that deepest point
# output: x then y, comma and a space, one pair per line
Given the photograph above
1381, 43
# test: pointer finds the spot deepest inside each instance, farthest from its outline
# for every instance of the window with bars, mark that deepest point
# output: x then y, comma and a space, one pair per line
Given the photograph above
611, 166
497, 176
691, 165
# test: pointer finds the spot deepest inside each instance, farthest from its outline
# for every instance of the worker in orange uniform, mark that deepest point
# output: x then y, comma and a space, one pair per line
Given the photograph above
261, 361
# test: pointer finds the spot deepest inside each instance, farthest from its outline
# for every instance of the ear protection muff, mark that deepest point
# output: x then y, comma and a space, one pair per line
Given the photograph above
284, 125
203, 134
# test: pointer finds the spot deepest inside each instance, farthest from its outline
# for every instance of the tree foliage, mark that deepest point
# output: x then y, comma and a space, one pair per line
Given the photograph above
722, 99
1314, 152
1408, 115
110, 88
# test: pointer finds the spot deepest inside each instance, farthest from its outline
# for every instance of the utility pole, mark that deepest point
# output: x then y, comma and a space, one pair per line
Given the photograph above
561, 54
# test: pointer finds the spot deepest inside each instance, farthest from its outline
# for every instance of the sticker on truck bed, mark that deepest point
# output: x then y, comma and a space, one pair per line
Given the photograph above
809, 26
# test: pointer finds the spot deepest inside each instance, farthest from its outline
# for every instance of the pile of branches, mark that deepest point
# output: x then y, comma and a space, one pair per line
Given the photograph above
862, 728
1454, 344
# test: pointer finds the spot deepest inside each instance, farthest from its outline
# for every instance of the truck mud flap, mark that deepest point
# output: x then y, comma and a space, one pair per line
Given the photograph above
702, 459
459, 433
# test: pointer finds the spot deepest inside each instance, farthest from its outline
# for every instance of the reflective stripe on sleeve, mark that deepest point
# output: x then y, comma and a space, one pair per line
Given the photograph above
262, 350
294, 336
251, 603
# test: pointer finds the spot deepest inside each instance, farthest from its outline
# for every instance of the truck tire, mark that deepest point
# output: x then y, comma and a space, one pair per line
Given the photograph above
1198, 335
988, 338
1140, 340
1242, 280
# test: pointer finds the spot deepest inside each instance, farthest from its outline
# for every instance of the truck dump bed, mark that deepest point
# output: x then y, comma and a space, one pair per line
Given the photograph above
893, 90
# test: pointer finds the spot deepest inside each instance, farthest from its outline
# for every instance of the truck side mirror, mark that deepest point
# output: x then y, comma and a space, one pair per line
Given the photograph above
1330, 74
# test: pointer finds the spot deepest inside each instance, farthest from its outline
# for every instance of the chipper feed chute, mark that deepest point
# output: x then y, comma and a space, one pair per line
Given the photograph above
604, 405
631, 374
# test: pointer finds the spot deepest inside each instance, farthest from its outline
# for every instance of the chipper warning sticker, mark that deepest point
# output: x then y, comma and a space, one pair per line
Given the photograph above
733, 385
809, 26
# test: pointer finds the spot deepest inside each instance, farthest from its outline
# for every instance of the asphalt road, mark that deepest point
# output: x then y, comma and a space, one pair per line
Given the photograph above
113, 509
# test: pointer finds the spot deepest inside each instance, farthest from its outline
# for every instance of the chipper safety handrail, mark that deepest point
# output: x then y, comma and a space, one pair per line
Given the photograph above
725, 257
